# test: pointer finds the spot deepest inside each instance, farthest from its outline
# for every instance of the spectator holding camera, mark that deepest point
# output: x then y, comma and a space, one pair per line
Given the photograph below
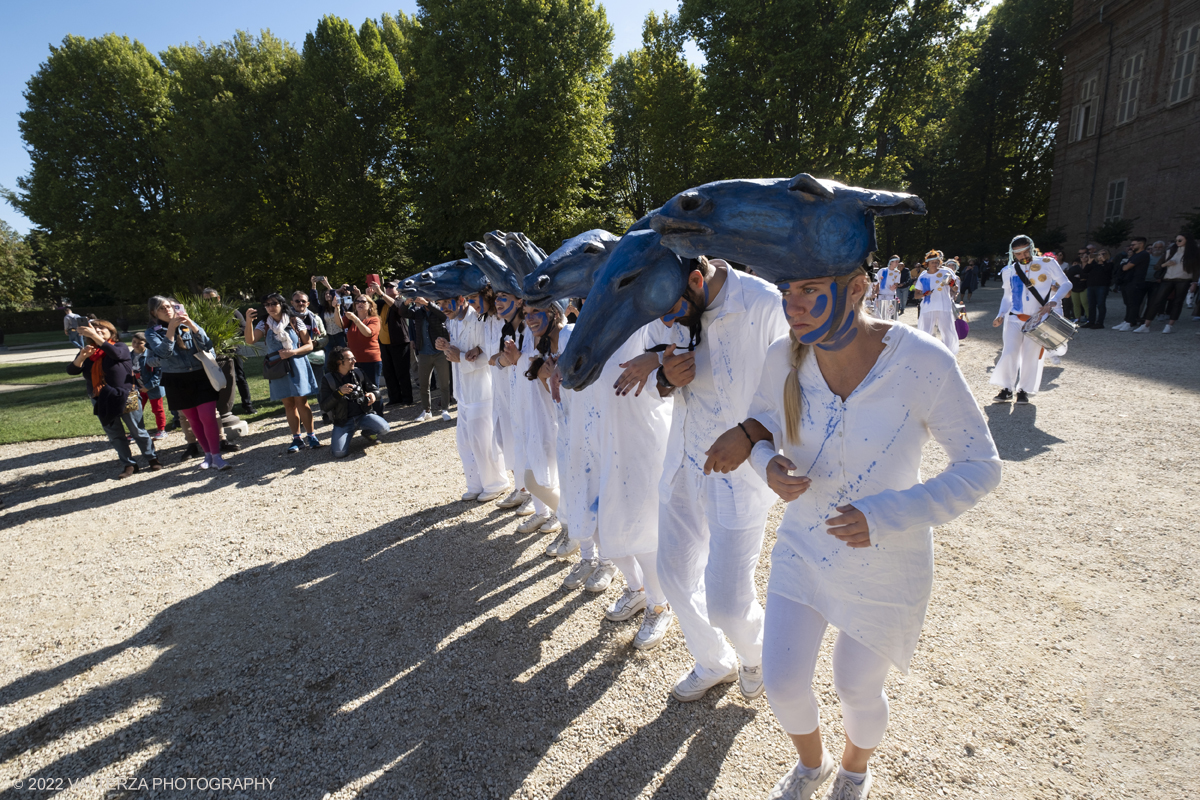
107, 369
148, 379
394, 342
288, 342
1179, 270
347, 396
330, 303
362, 337
174, 340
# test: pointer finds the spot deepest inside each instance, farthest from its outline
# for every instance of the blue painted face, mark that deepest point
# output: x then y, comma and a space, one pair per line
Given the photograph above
450, 306
506, 306
681, 309
538, 322
818, 314
474, 302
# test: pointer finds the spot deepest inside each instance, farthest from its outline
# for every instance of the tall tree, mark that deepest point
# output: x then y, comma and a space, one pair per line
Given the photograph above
508, 118
824, 86
656, 117
234, 161
16, 269
351, 107
95, 127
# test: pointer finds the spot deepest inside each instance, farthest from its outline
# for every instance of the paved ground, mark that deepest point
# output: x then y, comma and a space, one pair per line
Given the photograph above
350, 629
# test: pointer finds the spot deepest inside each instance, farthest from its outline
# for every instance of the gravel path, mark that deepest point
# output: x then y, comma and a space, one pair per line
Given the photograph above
346, 629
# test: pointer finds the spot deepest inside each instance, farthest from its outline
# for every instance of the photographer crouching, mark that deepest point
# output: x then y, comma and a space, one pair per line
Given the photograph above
347, 397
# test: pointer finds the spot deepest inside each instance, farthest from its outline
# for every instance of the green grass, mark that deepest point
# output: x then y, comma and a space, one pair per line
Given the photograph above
64, 411
47, 338
40, 372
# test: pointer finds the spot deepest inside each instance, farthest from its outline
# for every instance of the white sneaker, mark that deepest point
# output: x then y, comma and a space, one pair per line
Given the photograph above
629, 603
526, 507
692, 687
1143, 329
469, 496
1124, 326
513, 500
751, 682
487, 497
601, 578
1167, 328
800, 783
551, 525
560, 541
580, 573
532, 524
446, 415
846, 789
655, 622
424, 416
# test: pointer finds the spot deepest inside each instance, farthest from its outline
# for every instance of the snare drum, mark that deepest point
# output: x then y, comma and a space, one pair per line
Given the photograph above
1051, 331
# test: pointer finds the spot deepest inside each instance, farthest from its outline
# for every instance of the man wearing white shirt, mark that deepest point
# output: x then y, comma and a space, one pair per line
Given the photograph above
711, 526
885, 289
1020, 364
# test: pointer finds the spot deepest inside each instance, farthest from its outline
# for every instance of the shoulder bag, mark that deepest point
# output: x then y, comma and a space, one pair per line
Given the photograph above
216, 376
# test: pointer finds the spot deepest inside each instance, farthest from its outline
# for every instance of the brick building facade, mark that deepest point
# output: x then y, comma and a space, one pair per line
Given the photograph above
1128, 142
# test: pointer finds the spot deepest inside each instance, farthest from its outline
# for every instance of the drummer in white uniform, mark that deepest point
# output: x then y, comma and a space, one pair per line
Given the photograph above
937, 287
1021, 361
837, 429
886, 284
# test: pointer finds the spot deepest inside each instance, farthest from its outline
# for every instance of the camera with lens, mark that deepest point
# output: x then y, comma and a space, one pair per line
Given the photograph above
358, 397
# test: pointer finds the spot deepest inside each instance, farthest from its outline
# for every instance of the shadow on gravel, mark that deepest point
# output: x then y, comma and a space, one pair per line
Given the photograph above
1017, 436
371, 656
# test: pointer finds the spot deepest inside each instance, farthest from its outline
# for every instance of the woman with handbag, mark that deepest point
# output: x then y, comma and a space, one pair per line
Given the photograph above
176, 342
1179, 271
291, 376
107, 368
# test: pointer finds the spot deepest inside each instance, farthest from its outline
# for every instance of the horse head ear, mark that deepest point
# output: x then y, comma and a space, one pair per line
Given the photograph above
809, 185
886, 204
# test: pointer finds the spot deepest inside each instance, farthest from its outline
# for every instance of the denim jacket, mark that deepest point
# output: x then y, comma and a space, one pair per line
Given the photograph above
147, 374
171, 358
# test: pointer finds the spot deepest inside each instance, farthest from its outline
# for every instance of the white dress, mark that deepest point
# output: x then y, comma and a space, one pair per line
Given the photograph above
866, 451
483, 465
541, 420
578, 437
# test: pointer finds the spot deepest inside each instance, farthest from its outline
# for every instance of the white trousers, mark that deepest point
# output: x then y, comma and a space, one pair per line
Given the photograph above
707, 554
885, 306
1020, 366
482, 463
944, 322
793, 642
641, 572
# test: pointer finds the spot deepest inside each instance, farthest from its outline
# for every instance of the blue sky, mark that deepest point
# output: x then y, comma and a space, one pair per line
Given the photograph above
29, 29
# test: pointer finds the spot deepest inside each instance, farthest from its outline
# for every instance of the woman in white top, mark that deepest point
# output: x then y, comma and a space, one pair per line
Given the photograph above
937, 287
843, 409
1181, 269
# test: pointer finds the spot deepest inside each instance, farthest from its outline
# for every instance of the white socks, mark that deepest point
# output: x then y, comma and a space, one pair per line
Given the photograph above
857, 777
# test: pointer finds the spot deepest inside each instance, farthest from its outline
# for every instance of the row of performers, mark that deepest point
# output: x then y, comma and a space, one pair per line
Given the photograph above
660, 427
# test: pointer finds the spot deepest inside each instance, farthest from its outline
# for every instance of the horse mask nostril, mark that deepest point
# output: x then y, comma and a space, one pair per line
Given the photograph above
543, 281
691, 202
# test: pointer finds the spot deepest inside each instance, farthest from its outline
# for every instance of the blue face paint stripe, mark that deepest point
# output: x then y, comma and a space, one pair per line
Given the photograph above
683, 309
814, 336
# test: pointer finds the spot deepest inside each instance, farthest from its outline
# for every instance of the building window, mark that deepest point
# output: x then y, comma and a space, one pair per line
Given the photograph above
1183, 68
1116, 200
1084, 122
1131, 78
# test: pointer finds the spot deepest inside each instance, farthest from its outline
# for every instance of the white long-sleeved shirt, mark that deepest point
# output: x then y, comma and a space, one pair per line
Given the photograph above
940, 286
1045, 274
866, 451
734, 339
887, 280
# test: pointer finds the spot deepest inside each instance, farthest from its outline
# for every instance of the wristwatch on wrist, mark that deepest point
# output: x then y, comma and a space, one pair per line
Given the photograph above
662, 381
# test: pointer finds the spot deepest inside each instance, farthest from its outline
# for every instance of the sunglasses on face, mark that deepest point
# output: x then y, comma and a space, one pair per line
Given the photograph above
271, 304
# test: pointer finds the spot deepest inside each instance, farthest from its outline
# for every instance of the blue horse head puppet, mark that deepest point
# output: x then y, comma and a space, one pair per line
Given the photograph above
640, 281
784, 228
443, 281
516, 251
499, 274
571, 270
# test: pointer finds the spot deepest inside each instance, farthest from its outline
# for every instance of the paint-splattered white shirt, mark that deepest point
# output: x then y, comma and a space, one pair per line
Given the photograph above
866, 451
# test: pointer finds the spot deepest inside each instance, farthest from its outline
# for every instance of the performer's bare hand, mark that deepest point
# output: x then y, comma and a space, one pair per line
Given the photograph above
556, 386
679, 369
788, 487
996, 322
511, 353
728, 452
850, 526
637, 371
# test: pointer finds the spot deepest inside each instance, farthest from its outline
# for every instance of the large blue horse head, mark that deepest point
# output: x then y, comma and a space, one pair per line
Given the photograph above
570, 270
443, 281
640, 282
784, 228
501, 276
516, 251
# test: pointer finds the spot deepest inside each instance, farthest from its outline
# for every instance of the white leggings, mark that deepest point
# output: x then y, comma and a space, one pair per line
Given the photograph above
792, 634
641, 572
